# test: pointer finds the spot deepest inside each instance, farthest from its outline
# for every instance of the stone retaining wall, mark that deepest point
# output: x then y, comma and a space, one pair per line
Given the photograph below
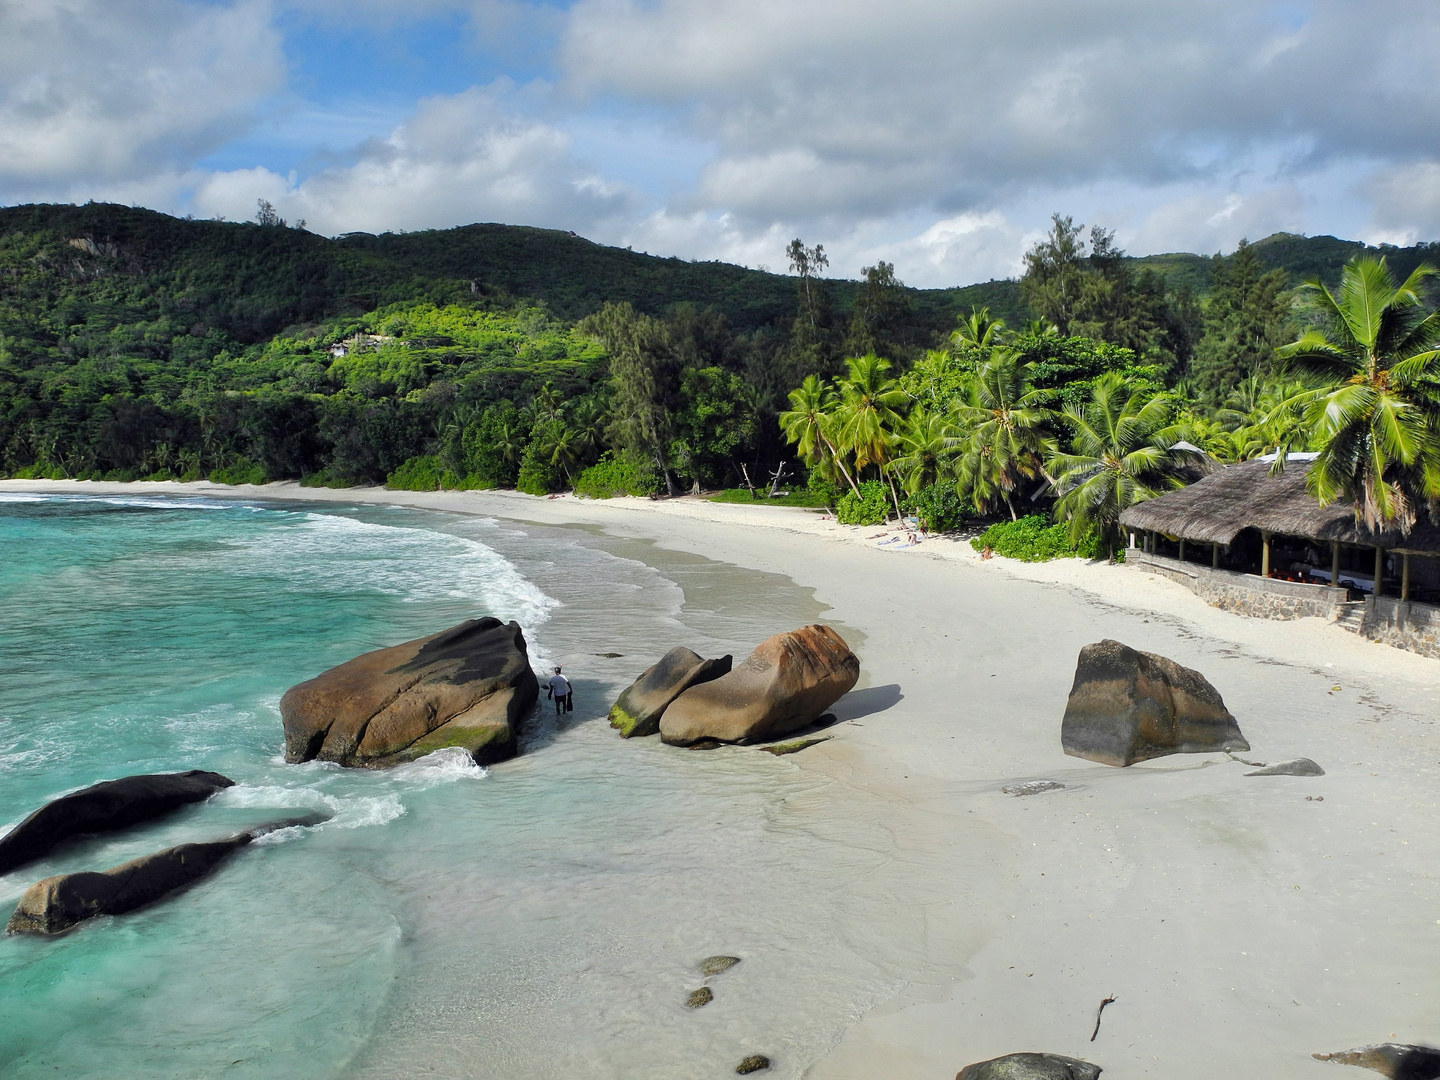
1404, 624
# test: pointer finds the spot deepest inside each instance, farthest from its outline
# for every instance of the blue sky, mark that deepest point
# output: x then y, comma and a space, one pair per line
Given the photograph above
936, 134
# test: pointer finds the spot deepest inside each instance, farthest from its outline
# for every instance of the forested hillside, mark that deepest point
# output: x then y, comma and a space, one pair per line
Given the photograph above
134, 344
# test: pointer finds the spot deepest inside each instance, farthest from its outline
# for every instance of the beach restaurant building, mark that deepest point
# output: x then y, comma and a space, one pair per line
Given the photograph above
1262, 545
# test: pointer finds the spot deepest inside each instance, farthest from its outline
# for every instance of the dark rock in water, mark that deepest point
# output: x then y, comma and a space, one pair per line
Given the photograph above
55, 904
698, 999
638, 710
1128, 706
610, 655
1033, 787
753, 1063
105, 807
469, 686
785, 684
1301, 766
1030, 1067
714, 965
796, 746
1398, 1061
705, 744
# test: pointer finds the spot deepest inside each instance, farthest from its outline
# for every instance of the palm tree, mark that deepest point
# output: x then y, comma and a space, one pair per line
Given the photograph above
1377, 420
807, 424
926, 442
588, 420
978, 330
1007, 432
1122, 456
561, 446
546, 401
870, 406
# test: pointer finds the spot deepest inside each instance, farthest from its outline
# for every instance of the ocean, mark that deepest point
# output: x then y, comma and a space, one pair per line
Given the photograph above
542, 917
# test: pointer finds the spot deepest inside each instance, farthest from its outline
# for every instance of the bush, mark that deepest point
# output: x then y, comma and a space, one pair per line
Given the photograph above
326, 479
872, 507
1034, 539
41, 471
823, 492
939, 508
611, 476
243, 471
417, 474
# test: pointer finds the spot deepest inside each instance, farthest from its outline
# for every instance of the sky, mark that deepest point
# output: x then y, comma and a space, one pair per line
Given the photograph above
939, 135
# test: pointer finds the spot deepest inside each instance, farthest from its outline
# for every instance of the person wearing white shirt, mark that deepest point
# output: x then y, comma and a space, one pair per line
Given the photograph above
562, 693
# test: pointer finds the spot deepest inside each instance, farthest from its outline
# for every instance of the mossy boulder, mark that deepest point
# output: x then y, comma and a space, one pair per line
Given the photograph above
1030, 1067
785, 684
1127, 706
638, 710
469, 686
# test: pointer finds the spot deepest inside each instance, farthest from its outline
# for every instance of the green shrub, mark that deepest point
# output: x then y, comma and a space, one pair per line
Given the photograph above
611, 476
417, 474
822, 492
802, 497
41, 471
243, 471
326, 479
1034, 539
939, 508
872, 507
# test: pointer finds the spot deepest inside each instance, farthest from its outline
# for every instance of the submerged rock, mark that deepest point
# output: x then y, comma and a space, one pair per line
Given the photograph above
638, 710
1301, 766
1033, 787
1398, 1061
1127, 706
714, 965
785, 684
780, 749
469, 686
105, 807
55, 904
698, 999
753, 1063
1030, 1067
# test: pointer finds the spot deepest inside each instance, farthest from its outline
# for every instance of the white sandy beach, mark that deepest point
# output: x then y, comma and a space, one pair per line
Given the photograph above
1239, 925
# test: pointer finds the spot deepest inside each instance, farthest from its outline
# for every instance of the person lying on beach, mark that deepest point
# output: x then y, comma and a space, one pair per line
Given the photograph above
560, 690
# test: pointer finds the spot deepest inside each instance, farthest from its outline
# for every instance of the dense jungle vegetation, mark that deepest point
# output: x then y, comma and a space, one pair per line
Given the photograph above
135, 345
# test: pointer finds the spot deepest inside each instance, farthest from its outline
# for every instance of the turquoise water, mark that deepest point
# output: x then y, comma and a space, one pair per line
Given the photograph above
540, 918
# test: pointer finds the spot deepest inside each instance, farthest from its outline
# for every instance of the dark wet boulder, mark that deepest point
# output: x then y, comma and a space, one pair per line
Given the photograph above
714, 965
698, 999
469, 686
55, 904
1398, 1061
1128, 706
785, 684
638, 710
752, 1064
1030, 1067
105, 807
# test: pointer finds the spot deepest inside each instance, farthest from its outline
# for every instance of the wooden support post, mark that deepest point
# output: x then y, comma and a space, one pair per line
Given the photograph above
1182, 549
1334, 563
1405, 576
1215, 556
1379, 571
1265, 554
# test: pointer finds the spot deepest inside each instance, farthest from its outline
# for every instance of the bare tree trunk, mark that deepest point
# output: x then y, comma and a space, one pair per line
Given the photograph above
840, 462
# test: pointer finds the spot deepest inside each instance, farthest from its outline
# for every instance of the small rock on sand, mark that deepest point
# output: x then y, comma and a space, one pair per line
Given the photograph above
1301, 766
794, 747
753, 1063
1030, 1067
700, 998
714, 965
1033, 787
1399, 1061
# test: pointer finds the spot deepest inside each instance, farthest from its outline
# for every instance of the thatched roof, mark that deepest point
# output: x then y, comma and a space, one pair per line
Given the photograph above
1243, 496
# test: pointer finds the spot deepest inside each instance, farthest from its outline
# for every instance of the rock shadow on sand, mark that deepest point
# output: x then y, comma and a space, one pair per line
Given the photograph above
867, 702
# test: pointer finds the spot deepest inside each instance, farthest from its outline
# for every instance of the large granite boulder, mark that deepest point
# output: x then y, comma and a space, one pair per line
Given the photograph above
1030, 1067
785, 684
469, 686
638, 710
1398, 1061
105, 807
1128, 706
57, 903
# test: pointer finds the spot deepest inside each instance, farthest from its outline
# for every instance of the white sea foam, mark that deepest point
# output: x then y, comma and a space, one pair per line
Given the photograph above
444, 766
348, 811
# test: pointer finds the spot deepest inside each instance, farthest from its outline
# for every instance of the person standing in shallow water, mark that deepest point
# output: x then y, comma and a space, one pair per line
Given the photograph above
562, 693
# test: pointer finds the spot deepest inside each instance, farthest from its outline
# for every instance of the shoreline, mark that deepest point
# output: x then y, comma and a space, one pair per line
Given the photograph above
1240, 926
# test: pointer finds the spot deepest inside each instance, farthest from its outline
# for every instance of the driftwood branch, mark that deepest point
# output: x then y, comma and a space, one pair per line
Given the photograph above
1098, 1013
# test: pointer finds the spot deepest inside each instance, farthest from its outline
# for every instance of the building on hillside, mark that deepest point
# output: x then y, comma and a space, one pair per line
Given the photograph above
1262, 545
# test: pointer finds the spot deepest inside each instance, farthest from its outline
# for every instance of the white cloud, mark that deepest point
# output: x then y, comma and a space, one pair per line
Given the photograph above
1406, 201
467, 157
96, 93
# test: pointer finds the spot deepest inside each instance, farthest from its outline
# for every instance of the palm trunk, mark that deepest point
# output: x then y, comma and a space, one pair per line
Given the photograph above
841, 462
899, 515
